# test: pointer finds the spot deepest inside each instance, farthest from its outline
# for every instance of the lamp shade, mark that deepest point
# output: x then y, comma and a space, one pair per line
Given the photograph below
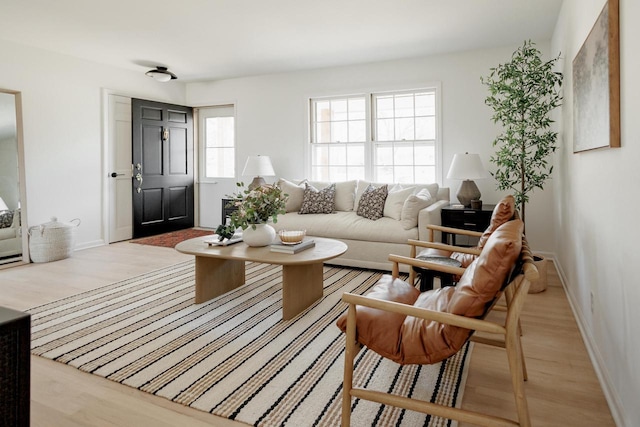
258, 166
467, 166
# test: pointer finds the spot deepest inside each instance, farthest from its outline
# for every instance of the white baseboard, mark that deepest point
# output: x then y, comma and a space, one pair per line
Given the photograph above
89, 245
594, 354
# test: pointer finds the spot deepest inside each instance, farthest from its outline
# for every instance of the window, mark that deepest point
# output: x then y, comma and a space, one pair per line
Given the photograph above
339, 133
404, 137
217, 139
385, 137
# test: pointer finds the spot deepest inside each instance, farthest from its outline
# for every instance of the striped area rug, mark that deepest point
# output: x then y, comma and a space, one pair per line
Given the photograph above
234, 356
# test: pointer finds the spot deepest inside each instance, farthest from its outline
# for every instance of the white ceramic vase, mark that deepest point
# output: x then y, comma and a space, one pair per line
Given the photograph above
263, 235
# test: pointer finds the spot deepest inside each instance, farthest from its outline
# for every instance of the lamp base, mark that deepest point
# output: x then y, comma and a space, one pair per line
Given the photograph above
468, 191
258, 181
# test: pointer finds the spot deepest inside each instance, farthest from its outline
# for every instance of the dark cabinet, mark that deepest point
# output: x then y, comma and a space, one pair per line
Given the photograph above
15, 367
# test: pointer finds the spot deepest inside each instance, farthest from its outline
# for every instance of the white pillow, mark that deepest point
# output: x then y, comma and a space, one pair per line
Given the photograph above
345, 193
412, 206
432, 188
295, 192
395, 201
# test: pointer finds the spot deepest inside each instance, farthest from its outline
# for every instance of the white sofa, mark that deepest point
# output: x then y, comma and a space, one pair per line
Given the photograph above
370, 241
10, 235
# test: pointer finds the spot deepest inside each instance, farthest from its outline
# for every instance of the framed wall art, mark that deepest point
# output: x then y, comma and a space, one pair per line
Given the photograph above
596, 84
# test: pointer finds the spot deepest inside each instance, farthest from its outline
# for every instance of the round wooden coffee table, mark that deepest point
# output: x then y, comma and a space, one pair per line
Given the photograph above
220, 269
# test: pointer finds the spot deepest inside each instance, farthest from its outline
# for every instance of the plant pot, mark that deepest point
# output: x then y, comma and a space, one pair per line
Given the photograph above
539, 285
263, 235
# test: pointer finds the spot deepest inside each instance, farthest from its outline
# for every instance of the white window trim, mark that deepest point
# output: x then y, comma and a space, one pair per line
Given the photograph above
368, 95
200, 177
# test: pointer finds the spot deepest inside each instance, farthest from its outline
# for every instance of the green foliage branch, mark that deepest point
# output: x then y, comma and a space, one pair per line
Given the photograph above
255, 206
522, 93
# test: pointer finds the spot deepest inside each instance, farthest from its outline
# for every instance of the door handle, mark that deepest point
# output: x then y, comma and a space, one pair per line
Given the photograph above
113, 174
138, 177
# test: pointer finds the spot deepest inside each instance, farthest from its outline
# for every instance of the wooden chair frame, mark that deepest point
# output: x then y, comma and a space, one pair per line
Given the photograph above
517, 290
442, 246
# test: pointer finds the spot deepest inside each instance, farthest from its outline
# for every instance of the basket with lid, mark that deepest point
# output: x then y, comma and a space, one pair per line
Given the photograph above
52, 240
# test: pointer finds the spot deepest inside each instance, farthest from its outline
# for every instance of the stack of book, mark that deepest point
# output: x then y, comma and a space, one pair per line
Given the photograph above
292, 249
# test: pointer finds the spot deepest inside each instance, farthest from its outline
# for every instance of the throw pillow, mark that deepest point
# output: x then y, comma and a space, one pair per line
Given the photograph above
371, 205
412, 207
295, 192
314, 201
395, 201
345, 193
6, 219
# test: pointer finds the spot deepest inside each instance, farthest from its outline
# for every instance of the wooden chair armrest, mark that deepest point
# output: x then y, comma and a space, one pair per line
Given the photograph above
423, 313
454, 230
444, 247
399, 259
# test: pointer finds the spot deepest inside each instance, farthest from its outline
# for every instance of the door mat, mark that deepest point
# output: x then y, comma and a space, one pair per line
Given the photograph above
170, 240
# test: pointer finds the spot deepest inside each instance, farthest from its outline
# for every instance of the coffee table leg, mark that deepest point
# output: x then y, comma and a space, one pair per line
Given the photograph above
217, 276
301, 287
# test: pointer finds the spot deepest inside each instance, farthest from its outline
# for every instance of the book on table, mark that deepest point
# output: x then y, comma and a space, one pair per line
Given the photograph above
292, 249
215, 240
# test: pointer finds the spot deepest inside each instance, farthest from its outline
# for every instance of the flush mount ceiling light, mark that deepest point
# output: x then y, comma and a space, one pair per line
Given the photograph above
161, 74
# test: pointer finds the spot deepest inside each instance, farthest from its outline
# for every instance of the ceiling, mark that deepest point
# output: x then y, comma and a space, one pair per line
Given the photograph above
216, 39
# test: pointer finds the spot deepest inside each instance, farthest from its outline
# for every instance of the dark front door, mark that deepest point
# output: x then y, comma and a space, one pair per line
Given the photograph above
162, 167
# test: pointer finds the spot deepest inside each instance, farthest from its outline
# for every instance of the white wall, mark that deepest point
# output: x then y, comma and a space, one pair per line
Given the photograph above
62, 113
596, 214
272, 116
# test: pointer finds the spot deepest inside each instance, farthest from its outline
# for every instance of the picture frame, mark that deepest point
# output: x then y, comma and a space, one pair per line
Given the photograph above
596, 84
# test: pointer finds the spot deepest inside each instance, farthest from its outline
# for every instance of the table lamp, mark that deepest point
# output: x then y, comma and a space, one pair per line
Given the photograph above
258, 166
467, 167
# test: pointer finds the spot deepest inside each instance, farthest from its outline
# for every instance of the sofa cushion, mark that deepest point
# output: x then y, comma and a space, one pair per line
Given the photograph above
371, 204
295, 193
318, 201
347, 225
395, 201
345, 193
412, 207
431, 188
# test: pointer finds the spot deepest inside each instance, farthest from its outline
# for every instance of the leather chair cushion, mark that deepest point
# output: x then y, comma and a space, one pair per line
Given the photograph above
410, 340
378, 329
502, 213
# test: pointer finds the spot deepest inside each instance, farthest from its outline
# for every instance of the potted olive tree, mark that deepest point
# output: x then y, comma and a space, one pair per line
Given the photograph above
522, 94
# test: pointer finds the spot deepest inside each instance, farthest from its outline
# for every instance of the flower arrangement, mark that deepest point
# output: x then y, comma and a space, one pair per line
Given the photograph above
255, 206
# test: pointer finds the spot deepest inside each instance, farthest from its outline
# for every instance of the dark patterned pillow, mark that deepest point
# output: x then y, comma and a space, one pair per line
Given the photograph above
315, 201
6, 219
371, 203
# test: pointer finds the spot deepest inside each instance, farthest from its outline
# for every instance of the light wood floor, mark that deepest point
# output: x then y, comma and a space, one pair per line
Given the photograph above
562, 389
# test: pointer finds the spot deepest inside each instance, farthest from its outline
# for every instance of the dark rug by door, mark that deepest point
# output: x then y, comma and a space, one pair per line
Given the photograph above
234, 356
170, 240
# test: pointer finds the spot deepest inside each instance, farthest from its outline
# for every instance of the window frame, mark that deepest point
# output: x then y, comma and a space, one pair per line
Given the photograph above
369, 144
224, 110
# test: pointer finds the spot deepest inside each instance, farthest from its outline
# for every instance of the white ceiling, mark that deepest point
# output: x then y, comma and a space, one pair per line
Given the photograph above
214, 39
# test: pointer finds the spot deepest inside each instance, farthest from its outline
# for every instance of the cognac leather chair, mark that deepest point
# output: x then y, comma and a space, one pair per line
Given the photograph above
400, 323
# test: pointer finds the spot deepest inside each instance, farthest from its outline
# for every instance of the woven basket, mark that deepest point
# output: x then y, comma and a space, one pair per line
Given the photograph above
53, 240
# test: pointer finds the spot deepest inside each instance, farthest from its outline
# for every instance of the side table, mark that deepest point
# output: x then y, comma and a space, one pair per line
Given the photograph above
227, 210
466, 219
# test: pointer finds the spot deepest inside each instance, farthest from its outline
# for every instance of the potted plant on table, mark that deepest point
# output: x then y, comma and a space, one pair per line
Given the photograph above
255, 208
522, 93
